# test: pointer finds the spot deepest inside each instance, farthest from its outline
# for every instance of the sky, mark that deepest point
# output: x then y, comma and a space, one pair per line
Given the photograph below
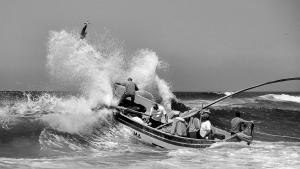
209, 45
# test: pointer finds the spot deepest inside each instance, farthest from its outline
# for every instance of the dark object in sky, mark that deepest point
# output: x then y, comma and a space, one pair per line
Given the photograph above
83, 31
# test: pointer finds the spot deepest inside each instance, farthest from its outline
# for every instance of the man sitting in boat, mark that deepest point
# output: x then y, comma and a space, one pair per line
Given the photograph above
156, 114
205, 128
238, 124
179, 127
130, 88
239, 127
194, 126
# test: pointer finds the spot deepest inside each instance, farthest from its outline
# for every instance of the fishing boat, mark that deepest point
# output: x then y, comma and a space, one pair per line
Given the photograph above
161, 138
158, 136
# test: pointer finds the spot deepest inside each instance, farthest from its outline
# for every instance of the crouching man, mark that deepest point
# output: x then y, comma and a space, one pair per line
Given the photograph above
242, 128
156, 114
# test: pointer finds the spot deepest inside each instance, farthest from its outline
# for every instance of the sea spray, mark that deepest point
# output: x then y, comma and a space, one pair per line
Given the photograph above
78, 64
4, 117
74, 115
91, 71
70, 114
164, 91
143, 68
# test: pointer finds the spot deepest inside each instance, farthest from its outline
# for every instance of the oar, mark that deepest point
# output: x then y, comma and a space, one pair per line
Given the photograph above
237, 92
130, 111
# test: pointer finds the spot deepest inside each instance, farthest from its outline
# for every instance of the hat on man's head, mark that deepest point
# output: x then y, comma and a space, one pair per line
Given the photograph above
206, 111
205, 115
155, 106
239, 113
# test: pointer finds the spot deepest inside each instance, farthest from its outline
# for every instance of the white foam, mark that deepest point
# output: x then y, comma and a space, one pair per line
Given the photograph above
281, 98
228, 93
91, 71
74, 115
79, 66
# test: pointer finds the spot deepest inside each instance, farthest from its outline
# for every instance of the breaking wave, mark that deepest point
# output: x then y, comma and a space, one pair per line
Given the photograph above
92, 71
228, 93
53, 124
281, 98
68, 123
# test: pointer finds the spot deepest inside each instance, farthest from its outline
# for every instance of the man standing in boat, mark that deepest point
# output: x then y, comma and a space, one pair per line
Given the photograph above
130, 88
156, 114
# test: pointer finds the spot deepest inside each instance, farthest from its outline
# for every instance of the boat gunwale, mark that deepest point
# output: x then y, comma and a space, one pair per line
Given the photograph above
163, 136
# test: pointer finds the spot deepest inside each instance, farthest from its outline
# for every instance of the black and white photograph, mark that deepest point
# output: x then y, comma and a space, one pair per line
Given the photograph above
149, 84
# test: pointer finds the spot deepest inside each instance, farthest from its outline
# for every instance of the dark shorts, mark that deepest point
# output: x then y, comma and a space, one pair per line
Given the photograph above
154, 123
125, 96
194, 134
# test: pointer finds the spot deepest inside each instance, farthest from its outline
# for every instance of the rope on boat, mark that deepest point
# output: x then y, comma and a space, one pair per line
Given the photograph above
274, 135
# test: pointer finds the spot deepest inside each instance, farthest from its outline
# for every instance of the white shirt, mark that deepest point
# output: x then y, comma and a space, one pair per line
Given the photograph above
205, 128
157, 114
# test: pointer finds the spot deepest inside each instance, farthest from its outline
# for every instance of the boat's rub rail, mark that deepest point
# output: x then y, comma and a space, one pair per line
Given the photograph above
157, 131
162, 136
123, 111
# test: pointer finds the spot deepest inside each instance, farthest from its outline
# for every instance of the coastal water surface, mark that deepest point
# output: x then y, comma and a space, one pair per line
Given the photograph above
32, 136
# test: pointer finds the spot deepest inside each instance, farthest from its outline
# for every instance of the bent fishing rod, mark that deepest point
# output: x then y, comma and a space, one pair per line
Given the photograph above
235, 93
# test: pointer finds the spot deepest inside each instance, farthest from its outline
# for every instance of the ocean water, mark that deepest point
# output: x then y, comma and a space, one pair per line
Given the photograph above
60, 129
43, 130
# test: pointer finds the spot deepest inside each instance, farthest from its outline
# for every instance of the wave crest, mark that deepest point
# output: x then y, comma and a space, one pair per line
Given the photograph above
281, 98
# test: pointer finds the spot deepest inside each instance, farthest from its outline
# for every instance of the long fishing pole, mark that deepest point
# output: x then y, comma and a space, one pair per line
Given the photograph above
237, 92
249, 88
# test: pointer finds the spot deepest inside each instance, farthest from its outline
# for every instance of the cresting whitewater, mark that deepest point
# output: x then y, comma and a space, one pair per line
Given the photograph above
59, 129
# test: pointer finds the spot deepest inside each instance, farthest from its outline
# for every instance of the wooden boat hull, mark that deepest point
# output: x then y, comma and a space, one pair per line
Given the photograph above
159, 138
